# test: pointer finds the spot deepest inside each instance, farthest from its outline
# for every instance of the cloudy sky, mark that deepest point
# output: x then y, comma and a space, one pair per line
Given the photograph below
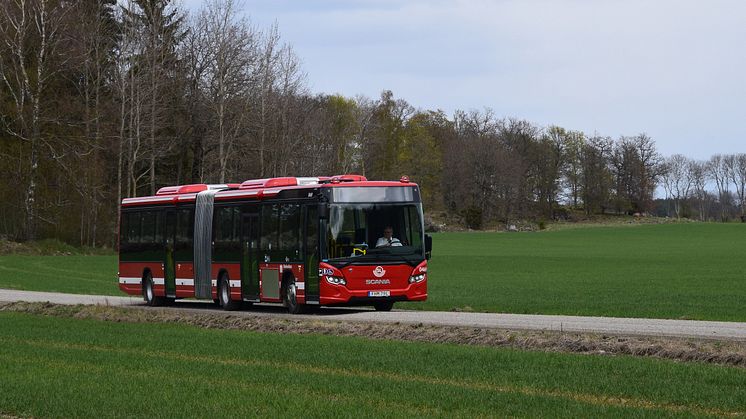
673, 69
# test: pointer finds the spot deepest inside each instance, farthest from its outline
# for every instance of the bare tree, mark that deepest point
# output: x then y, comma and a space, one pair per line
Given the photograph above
232, 47
718, 172
573, 169
677, 180
597, 180
698, 175
30, 31
735, 165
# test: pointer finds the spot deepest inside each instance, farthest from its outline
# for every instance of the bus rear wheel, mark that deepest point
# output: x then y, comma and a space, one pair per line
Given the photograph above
384, 306
224, 295
148, 292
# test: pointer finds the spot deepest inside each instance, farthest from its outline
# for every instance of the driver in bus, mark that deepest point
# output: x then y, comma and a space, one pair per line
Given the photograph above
388, 239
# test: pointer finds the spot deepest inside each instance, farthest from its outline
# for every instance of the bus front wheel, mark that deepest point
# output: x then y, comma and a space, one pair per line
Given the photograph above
384, 306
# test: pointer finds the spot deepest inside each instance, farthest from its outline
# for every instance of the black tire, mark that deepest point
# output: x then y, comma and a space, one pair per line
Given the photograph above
289, 298
148, 292
384, 306
224, 295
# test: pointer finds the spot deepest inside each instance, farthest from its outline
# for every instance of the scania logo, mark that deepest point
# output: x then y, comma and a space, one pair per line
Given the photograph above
377, 281
379, 271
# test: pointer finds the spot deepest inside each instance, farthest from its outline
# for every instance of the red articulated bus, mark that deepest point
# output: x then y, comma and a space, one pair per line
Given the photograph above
296, 241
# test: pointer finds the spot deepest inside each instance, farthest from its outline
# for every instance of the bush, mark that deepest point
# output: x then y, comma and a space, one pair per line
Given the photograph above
473, 217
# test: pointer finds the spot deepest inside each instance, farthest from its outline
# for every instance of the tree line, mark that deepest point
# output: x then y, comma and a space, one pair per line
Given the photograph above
713, 189
101, 100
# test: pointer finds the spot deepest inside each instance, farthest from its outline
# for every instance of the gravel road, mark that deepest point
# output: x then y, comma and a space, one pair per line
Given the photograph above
604, 325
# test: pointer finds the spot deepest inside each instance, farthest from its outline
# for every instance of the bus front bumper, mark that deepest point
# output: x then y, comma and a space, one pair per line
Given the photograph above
339, 294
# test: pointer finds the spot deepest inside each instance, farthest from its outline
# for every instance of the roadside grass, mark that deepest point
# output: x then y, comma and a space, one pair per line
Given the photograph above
678, 270
65, 367
76, 274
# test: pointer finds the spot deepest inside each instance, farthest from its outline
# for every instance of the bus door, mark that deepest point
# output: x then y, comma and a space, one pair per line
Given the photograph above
311, 253
169, 263
249, 262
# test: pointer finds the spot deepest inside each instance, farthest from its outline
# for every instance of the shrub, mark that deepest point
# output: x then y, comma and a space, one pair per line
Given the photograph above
473, 217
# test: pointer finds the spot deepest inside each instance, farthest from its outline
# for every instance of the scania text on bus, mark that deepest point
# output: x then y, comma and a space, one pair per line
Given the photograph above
295, 241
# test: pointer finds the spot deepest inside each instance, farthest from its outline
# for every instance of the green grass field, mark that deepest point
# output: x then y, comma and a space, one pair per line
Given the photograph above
691, 271
77, 274
65, 367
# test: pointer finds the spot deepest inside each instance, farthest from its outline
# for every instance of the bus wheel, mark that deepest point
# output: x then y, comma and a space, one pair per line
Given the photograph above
384, 306
290, 298
148, 292
224, 295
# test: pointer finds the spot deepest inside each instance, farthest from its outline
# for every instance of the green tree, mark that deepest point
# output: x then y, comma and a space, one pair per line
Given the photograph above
420, 153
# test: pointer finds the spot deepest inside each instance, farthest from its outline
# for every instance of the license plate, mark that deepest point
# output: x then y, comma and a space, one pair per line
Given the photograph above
379, 293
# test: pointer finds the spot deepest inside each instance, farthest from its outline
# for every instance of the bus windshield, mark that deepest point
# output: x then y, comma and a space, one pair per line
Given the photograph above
358, 233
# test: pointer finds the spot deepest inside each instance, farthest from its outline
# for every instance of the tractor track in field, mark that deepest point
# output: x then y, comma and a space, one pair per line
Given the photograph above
344, 322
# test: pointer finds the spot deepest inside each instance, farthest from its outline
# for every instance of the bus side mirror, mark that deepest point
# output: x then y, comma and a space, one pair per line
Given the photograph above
323, 211
428, 246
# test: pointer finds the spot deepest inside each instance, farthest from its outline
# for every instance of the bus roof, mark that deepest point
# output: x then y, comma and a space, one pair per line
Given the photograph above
256, 189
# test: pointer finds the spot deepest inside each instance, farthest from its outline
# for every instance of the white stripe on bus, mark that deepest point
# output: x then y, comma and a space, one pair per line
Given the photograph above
234, 284
185, 281
300, 285
129, 280
158, 281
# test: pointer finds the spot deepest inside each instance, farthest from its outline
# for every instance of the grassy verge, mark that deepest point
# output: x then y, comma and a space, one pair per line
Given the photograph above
77, 274
64, 367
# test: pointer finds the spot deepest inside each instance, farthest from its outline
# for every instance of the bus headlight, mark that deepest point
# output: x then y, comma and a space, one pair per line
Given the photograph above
416, 278
335, 280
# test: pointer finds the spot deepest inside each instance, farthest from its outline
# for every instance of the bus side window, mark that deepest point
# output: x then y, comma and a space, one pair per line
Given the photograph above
184, 234
159, 215
236, 228
289, 241
268, 241
148, 228
124, 228
223, 224
133, 235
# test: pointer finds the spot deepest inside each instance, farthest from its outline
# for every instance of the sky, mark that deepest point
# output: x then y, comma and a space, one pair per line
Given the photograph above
675, 70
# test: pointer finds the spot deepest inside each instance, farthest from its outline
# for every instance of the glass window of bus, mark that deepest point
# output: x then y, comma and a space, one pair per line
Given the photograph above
289, 228
133, 233
124, 228
268, 242
354, 229
184, 234
148, 227
226, 224
159, 226
413, 225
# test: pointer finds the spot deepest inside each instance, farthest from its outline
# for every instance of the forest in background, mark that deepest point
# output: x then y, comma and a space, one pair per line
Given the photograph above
102, 100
